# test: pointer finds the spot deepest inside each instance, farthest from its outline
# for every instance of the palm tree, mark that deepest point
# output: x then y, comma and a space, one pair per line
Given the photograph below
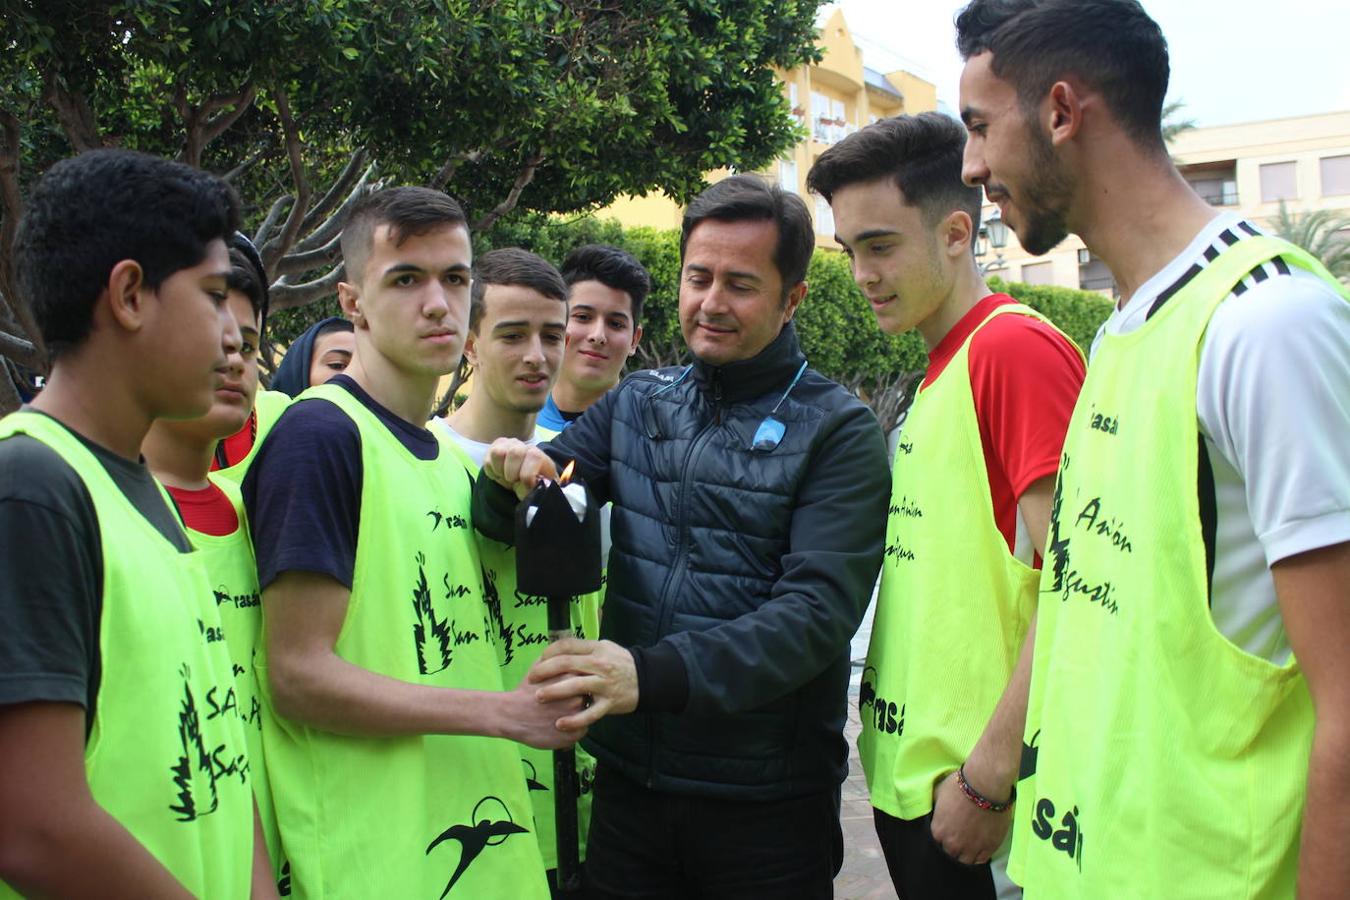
1171, 125
1322, 232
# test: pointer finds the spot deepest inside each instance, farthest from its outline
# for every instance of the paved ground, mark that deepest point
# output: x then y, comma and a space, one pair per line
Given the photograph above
863, 876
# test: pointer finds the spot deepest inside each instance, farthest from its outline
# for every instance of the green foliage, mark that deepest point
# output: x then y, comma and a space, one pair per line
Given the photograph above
286, 325
1323, 233
534, 105
552, 237
659, 251
1079, 314
597, 98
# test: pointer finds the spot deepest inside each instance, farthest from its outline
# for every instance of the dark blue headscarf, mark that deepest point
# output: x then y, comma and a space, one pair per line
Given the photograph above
292, 375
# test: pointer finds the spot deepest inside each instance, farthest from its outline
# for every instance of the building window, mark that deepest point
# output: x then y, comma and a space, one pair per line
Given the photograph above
842, 127
1279, 181
828, 125
1335, 175
787, 175
1093, 275
820, 117
824, 217
1216, 191
1038, 273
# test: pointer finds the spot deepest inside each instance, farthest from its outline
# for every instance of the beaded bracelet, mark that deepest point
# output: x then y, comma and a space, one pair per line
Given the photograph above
981, 800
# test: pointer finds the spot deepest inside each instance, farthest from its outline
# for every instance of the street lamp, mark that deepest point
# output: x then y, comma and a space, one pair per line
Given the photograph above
993, 235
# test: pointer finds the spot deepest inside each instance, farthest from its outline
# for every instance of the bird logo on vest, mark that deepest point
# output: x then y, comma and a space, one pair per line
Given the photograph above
532, 782
474, 838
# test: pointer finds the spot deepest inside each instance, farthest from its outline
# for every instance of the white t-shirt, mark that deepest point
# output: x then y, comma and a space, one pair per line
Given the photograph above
1273, 404
477, 450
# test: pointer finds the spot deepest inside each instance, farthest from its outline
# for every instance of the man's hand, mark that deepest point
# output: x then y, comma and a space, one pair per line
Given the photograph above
517, 465
599, 674
539, 722
965, 832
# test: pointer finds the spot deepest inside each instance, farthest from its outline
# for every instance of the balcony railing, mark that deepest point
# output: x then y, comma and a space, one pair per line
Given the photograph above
1097, 282
828, 130
1219, 198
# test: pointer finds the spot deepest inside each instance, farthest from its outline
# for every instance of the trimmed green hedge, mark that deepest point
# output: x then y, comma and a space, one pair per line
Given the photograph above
1076, 313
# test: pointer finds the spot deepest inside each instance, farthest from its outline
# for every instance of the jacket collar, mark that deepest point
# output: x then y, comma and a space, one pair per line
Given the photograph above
746, 379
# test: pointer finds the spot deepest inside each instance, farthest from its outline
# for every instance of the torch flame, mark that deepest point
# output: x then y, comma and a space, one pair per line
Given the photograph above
566, 475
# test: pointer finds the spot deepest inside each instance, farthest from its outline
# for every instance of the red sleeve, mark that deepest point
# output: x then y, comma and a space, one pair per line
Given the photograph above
1025, 377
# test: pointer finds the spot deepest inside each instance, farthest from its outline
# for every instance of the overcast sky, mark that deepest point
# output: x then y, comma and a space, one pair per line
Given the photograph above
1232, 60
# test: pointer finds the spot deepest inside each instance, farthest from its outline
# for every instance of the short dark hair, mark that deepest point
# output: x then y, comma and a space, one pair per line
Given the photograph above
90, 212
616, 269
512, 265
1112, 45
408, 211
247, 276
750, 198
922, 154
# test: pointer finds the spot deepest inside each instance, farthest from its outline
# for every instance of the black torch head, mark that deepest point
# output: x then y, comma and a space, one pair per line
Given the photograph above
557, 554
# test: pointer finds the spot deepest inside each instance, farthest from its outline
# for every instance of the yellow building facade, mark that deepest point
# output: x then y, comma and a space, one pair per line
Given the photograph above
830, 100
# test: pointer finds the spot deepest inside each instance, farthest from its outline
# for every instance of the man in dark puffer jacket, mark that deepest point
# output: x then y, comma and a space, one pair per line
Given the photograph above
749, 498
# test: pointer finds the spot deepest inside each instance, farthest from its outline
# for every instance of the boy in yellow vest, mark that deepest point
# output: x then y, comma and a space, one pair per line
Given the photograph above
944, 690
118, 779
1188, 730
384, 753
180, 452
235, 452
517, 328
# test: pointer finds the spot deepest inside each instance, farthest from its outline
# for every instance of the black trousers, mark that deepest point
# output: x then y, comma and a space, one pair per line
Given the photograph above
653, 846
921, 870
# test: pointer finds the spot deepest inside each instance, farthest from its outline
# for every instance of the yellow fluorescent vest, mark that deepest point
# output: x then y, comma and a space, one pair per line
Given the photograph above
269, 405
1160, 759
427, 816
520, 629
954, 603
163, 757
233, 575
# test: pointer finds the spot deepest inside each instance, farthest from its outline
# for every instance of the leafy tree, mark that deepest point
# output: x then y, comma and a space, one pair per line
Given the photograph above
1322, 232
539, 105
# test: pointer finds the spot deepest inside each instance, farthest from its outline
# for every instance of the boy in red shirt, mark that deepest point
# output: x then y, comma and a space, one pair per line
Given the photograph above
944, 692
